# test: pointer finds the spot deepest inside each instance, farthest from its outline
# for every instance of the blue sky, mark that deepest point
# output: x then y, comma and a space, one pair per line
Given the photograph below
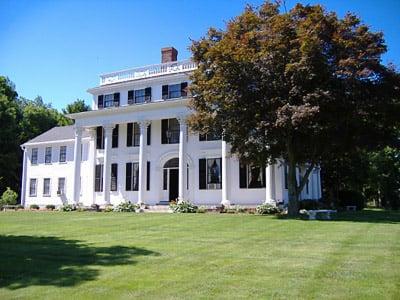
57, 49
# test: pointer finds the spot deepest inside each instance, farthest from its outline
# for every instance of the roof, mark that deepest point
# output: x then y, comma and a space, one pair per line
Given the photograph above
59, 133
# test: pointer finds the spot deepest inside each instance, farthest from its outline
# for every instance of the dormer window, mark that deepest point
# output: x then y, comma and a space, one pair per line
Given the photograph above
174, 91
109, 100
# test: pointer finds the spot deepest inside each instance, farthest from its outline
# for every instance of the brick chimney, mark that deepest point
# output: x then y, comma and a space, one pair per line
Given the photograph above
168, 54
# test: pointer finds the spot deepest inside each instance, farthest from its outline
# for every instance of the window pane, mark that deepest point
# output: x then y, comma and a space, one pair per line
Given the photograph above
46, 187
139, 96
255, 177
32, 187
135, 176
47, 158
63, 153
214, 173
34, 156
136, 135
61, 185
174, 91
109, 100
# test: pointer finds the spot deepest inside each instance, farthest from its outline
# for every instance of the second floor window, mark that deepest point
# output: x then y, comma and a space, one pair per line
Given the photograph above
139, 96
109, 100
99, 137
170, 131
174, 90
63, 154
47, 156
115, 136
34, 156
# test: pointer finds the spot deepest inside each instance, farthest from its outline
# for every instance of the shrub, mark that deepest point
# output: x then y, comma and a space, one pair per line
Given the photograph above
68, 207
9, 197
351, 198
34, 206
108, 208
19, 206
126, 207
202, 209
50, 207
183, 207
268, 209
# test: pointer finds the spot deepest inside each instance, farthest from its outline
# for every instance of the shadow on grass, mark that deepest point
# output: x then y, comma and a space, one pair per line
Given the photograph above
366, 215
30, 260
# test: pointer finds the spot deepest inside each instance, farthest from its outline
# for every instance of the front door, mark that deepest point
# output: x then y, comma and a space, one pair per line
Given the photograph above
173, 184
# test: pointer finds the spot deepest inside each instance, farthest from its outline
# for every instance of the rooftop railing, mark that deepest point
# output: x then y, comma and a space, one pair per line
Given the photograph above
148, 71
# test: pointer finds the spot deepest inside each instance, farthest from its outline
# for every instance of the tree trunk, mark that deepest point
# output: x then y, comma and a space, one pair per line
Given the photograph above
293, 205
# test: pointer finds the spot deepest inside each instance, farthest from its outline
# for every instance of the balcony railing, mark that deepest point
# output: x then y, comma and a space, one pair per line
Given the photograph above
148, 71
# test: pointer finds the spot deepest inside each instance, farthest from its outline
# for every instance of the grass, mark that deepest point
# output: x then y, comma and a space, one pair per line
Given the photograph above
56, 255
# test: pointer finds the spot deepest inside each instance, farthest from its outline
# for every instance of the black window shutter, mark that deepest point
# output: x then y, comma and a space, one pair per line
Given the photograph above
148, 176
116, 99
130, 97
202, 173
100, 101
184, 89
165, 91
115, 136
99, 137
129, 134
242, 176
147, 94
114, 177
263, 184
164, 128
128, 177
149, 135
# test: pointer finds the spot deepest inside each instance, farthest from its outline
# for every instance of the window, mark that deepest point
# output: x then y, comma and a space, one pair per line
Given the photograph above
111, 100
149, 135
170, 131
148, 176
133, 135
98, 178
61, 186
114, 177
100, 101
210, 174
174, 91
47, 156
251, 177
286, 171
63, 154
46, 187
32, 187
34, 156
132, 177
115, 136
99, 137
209, 137
139, 96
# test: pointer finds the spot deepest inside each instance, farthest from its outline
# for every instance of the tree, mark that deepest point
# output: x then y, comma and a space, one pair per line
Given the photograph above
77, 106
10, 117
301, 86
9, 197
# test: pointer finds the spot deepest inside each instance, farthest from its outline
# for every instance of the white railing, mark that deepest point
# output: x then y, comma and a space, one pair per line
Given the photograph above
148, 71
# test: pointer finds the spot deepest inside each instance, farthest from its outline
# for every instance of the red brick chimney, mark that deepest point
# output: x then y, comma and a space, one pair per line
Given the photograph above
168, 54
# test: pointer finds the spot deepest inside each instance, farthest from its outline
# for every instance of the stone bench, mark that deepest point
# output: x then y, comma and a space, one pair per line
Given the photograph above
9, 207
312, 214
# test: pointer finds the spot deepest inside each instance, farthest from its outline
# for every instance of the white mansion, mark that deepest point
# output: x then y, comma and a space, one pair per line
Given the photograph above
135, 146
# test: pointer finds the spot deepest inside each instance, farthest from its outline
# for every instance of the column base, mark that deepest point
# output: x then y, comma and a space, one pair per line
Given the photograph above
226, 203
270, 202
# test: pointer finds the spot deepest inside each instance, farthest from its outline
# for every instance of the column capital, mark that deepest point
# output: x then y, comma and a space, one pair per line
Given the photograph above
108, 128
78, 130
182, 119
144, 123
92, 131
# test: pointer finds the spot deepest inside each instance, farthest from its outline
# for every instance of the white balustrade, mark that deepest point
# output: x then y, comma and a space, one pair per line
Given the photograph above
148, 71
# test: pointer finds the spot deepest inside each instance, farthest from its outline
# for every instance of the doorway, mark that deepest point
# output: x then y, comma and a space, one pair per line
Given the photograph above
173, 184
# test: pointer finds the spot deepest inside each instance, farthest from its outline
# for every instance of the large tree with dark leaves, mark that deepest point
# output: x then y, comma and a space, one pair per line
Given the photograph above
299, 86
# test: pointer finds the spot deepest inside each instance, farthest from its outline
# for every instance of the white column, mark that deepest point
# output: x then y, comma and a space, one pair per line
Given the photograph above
107, 162
319, 187
225, 199
77, 164
182, 158
143, 126
269, 184
23, 183
92, 161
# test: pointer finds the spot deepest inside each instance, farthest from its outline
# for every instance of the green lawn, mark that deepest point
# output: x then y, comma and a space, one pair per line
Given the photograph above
168, 256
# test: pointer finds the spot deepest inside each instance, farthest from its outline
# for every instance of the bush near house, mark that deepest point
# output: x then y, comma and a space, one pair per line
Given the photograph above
268, 209
183, 207
126, 207
34, 206
67, 207
50, 207
9, 197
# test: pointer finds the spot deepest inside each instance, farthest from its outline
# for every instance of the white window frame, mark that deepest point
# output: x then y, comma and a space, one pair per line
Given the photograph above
44, 187
30, 187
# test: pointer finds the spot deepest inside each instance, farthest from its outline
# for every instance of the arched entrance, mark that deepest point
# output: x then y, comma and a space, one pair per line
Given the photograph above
171, 178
